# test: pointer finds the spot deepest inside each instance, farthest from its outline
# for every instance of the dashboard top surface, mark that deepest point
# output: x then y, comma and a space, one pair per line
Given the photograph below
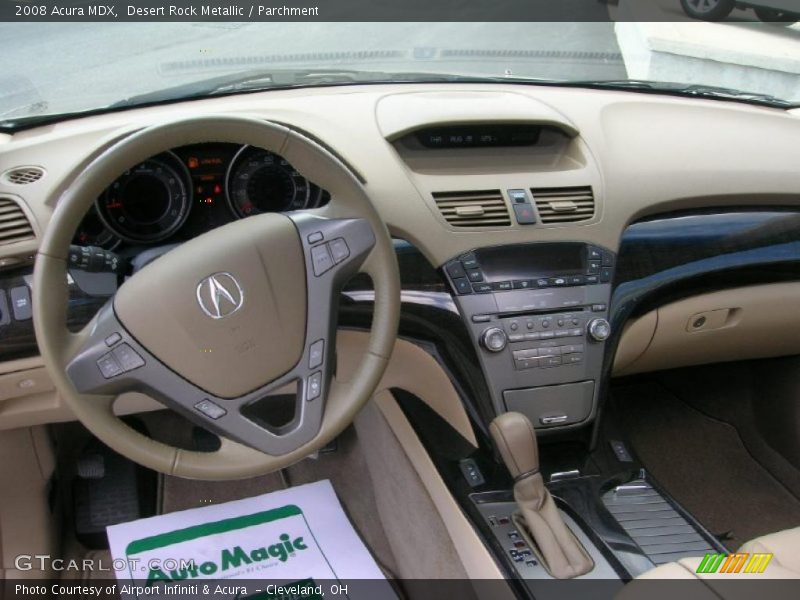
638, 154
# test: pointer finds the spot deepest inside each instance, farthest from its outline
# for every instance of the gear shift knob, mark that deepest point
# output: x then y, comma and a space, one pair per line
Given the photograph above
538, 519
515, 438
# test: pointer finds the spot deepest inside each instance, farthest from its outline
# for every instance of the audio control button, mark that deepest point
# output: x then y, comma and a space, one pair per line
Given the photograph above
550, 361
455, 270
571, 348
469, 261
462, 285
598, 330
494, 339
475, 275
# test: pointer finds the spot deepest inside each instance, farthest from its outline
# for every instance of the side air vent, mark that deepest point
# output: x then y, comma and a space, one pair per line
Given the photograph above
14, 225
564, 205
484, 208
23, 175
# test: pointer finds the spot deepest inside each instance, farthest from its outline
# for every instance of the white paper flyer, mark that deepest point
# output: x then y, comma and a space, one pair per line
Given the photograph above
296, 543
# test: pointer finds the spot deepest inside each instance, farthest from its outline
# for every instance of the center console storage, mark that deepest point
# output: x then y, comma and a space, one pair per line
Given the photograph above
537, 314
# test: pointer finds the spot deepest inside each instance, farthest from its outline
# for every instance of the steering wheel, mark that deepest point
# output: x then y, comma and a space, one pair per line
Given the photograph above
213, 327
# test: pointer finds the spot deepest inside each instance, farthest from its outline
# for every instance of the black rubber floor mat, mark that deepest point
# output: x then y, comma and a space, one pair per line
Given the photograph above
703, 464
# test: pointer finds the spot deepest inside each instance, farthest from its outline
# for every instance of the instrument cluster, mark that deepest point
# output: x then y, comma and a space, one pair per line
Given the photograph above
187, 191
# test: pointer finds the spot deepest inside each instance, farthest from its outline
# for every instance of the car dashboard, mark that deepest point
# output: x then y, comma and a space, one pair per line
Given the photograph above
518, 213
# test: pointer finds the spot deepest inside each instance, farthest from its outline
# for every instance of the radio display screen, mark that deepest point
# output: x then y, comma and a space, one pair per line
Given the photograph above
530, 261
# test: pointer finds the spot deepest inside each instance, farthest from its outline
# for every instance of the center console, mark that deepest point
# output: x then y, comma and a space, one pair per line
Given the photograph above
537, 314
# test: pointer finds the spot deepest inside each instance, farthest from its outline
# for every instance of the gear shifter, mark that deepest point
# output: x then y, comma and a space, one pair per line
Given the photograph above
538, 519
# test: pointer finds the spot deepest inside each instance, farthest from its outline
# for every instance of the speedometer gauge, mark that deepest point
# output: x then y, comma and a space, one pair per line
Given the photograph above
147, 203
259, 181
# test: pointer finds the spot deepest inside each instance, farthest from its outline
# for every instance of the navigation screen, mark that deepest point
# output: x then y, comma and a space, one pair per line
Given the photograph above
530, 261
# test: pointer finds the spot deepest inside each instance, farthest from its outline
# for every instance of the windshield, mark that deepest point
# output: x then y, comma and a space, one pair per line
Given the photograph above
58, 68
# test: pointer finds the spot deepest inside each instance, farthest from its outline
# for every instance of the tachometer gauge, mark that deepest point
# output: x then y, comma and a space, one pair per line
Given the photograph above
259, 181
93, 232
149, 202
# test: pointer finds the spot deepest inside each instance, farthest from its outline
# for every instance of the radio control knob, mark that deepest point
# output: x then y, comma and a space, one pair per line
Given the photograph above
494, 339
598, 330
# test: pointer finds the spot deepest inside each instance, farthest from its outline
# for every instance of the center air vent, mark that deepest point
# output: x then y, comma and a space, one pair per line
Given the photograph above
484, 208
564, 205
14, 225
23, 175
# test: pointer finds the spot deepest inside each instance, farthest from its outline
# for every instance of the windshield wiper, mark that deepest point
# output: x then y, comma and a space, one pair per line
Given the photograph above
683, 89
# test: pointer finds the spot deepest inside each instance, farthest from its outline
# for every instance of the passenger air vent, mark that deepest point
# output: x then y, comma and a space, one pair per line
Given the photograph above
564, 205
23, 175
484, 208
14, 225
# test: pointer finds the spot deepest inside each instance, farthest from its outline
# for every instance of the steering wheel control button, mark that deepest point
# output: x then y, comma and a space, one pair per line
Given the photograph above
494, 339
209, 409
315, 354
321, 259
339, 250
21, 302
113, 339
127, 357
108, 365
315, 237
314, 386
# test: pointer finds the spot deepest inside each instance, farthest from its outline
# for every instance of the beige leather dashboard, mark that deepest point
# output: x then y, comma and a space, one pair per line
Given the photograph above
639, 153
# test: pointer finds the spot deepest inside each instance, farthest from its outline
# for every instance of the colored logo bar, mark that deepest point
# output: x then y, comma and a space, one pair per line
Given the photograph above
739, 562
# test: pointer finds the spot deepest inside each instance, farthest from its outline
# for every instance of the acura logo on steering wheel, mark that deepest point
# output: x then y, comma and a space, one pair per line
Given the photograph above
220, 295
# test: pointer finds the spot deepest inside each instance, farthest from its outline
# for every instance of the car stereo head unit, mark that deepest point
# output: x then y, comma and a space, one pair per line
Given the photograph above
537, 315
